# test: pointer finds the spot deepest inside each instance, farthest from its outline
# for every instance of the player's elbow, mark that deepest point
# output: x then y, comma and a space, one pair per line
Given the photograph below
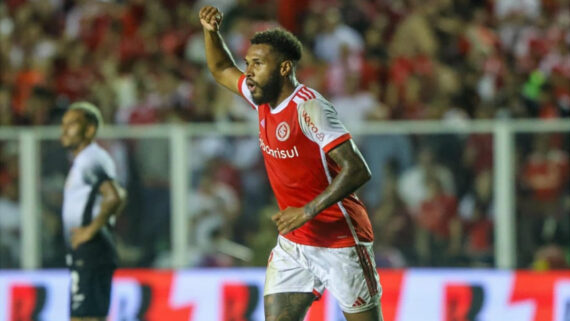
359, 174
364, 174
219, 69
123, 201
112, 197
114, 201
121, 198
217, 75
123, 195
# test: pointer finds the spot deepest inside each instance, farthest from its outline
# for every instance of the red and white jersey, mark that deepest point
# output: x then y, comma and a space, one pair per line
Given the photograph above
294, 138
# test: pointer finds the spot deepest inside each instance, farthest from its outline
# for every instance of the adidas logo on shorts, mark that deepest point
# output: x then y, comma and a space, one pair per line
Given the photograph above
359, 301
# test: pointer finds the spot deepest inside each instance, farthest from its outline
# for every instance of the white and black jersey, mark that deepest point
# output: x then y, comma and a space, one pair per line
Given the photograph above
81, 204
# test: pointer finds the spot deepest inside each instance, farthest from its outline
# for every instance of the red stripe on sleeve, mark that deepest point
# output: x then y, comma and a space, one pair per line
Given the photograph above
337, 142
308, 92
302, 95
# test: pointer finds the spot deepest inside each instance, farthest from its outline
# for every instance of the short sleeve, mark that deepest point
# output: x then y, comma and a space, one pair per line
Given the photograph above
95, 173
98, 168
245, 93
320, 123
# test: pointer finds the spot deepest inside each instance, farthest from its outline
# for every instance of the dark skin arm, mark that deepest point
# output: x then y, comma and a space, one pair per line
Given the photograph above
353, 174
113, 201
218, 57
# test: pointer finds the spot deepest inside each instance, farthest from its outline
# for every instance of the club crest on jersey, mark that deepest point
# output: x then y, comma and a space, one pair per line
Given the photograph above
283, 131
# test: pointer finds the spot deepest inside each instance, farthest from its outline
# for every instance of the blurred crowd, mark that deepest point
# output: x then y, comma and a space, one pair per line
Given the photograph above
143, 62
430, 198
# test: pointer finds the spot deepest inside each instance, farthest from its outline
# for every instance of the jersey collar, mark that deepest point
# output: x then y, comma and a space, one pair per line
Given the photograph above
286, 101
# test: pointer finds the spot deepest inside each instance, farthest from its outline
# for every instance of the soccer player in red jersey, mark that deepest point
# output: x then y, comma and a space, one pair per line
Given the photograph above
314, 168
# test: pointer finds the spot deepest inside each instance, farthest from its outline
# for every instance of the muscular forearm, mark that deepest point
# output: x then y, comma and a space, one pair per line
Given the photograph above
108, 207
345, 183
218, 56
353, 174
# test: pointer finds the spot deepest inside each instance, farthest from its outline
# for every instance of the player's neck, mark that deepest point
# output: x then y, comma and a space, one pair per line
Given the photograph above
81, 147
286, 90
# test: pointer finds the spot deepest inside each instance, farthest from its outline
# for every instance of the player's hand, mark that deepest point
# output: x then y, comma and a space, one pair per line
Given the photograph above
290, 219
211, 18
81, 235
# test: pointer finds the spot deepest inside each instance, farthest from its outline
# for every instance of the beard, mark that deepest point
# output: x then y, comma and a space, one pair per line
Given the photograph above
69, 144
269, 91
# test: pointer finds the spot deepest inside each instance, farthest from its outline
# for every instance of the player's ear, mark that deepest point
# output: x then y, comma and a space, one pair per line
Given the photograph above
286, 68
90, 131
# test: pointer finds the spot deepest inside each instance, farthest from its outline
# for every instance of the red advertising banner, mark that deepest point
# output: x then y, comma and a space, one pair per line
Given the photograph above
237, 295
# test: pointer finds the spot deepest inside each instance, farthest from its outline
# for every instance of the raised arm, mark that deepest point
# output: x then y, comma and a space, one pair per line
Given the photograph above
353, 174
218, 57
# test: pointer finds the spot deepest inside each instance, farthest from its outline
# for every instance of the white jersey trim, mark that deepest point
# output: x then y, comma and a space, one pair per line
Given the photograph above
285, 102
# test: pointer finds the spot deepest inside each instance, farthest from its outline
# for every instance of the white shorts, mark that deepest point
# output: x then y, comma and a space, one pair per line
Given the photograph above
349, 273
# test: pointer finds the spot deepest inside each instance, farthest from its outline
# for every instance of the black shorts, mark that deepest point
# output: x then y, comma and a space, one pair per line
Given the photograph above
91, 291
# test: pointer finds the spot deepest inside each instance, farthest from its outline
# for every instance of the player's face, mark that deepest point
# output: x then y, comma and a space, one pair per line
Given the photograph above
263, 78
73, 129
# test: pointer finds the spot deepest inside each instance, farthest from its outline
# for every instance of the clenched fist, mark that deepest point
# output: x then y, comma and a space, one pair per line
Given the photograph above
211, 18
290, 219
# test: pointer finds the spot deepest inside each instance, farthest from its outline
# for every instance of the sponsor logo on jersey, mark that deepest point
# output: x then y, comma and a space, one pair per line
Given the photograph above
283, 131
312, 127
278, 153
